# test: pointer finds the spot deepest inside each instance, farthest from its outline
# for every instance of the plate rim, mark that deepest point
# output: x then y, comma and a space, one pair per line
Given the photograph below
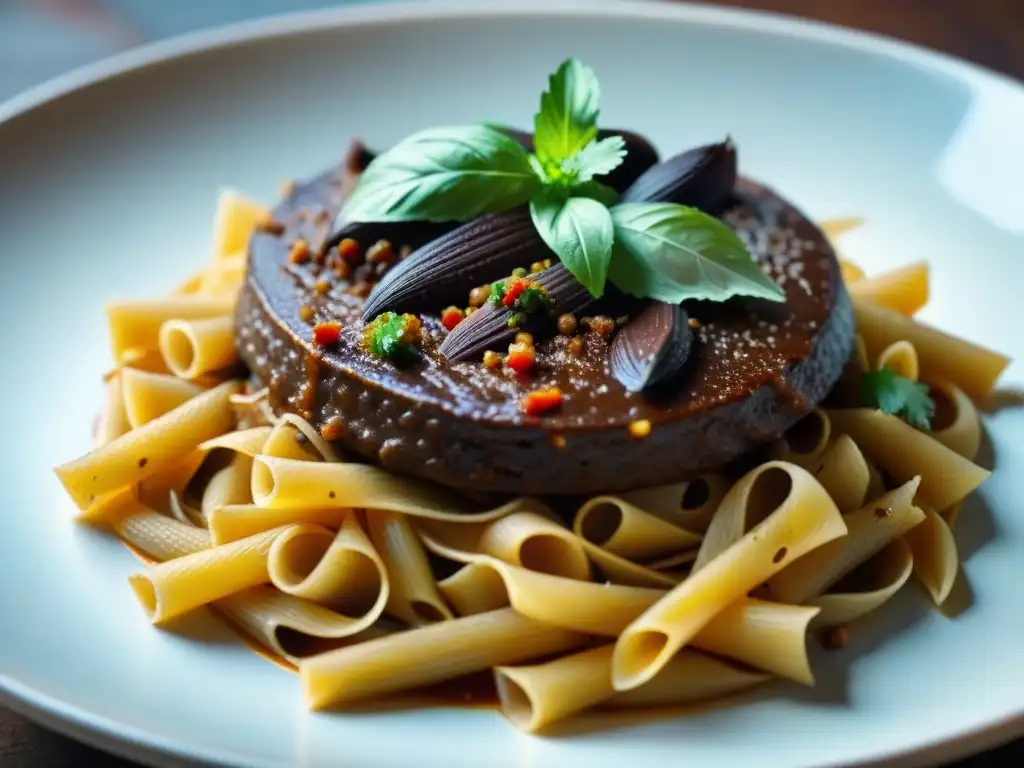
152, 748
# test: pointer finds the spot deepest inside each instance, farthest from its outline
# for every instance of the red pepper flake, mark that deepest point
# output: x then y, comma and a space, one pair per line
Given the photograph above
540, 401
492, 360
451, 317
322, 287
299, 253
520, 358
348, 249
380, 252
557, 440
306, 314
325, 334
514, 290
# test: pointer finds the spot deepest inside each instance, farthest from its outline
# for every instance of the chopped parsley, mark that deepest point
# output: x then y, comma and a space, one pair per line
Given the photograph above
897, 395
393, 337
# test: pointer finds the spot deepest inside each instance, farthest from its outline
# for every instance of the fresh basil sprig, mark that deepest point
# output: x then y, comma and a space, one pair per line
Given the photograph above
656, 250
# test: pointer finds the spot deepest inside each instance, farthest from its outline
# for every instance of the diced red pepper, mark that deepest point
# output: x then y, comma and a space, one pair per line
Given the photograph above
514, 290
451, 317
540, 401
520, 357
325, 334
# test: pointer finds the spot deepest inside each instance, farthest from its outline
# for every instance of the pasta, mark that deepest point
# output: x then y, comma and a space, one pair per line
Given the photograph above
903, 290
946, 477
414, 596
370, 584
798, 516
942, 356
441, 651
148, 396
191, 348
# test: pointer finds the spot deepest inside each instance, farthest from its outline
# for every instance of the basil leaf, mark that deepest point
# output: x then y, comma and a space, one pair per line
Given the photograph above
595, 190
567, 120
595, 159
444, 174
672, 253
579, 230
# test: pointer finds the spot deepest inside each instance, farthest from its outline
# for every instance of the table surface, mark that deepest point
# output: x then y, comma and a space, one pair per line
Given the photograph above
41, 38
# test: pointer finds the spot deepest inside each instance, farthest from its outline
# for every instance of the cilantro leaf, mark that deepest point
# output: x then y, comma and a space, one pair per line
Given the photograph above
444, 174
897, 395
597, 158
567, 120
580, 232
672, 253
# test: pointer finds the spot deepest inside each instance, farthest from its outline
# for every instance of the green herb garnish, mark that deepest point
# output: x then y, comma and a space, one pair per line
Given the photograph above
650, 250
393, 337
897, 395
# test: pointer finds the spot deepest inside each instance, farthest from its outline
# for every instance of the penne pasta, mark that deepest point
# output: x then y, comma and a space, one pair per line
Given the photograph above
689, 677
142, 452
113, 421
870, 529
191, 348
248, 442
427, 655
850, 272
903, 290
290, 626
901, 357
936, 562
190, 285
185, 583
160, 537
834, 228
844, 472
159, 489
942, 356
224, 276
146, 359
148, 396
804, 442
904, 452
236, 521
135, 325
340, 570
886, 573
286, 441
475, 588
228, 485
765, 635
956, 424
535, 543
327, 453
413, 597
281, 483
688, 505
625, 530
796, 516
533, 697
233, 223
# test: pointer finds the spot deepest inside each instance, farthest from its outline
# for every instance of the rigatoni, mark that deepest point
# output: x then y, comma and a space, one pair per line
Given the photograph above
191, 348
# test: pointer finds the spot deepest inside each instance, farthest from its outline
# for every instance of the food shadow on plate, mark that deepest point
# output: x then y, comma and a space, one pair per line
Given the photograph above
200, 625
832, 668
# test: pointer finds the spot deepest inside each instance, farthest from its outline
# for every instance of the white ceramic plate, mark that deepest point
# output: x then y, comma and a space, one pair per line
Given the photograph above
107, 188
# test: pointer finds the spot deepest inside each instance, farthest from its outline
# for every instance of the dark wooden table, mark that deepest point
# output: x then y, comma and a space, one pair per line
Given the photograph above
989, 32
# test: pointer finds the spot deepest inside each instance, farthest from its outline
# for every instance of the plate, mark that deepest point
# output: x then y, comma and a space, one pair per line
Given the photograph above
108, 184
